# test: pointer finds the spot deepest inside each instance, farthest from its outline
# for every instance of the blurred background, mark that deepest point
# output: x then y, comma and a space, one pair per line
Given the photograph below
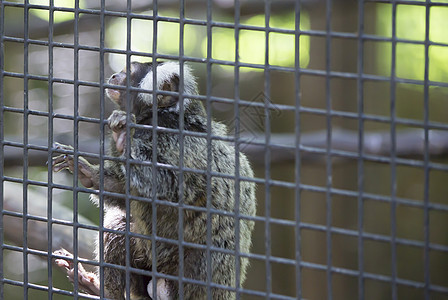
385, 215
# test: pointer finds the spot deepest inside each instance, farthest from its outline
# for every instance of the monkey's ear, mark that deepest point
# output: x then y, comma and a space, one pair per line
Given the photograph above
170, 85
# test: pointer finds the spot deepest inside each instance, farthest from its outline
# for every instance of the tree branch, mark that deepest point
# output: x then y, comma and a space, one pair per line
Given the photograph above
37, 233
409, 143
39, 28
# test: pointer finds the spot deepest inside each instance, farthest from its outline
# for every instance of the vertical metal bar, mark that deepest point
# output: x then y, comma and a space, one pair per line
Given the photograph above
50, 151
208, 107
360, 96
25, 148
237, 153
393, 155
128, 148
2, 124
102, 152
154, 149
267, 157
328, 151
427, 274
181, 147
298, 166
75, 143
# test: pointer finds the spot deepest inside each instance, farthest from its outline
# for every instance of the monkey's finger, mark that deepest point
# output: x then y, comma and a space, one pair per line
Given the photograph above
85, 172
86, 281
62, 162
58, 159
63, 252
59, 146
62, 166
89, 282
70, 159
117, 120
62, 263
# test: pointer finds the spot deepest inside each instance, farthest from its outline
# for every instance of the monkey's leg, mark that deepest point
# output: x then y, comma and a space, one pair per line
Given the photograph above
115, 254
87, 281
86, 171
117, 123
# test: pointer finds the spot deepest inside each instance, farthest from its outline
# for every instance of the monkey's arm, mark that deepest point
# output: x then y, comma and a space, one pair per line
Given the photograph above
141, 150
86, 171
88, 174
117, 123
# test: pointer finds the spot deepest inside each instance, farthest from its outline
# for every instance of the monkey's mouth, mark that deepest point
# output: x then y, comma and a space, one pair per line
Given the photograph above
113, 94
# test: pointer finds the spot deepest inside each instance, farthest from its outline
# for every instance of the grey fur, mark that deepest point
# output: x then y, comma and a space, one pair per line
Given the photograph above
166, 184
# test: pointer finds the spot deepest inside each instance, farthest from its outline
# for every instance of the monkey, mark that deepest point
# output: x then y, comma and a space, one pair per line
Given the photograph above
220, 193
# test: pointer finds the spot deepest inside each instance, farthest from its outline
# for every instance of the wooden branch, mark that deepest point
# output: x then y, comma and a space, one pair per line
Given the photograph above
39, 28
409, 143
37, 231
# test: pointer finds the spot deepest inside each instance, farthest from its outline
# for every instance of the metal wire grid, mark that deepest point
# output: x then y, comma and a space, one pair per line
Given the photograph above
2, 16
298, 109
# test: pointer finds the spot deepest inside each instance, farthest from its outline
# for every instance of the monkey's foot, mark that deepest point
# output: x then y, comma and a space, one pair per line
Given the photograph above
163, 290
87, 281
117, 123
66, 161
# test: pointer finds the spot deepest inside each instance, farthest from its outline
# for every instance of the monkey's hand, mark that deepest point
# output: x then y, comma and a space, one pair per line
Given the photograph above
87, 281
117, 123
86, 171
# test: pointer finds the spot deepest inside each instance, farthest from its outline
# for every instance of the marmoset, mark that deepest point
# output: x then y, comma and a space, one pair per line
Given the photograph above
165, 183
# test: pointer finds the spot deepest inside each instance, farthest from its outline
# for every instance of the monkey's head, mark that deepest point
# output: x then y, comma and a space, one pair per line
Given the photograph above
142, 77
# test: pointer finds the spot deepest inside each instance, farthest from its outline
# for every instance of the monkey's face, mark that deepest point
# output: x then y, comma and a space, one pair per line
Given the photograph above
137, 72
142, 77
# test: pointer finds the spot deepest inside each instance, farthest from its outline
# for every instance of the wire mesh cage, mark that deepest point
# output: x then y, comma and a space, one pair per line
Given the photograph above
339, 106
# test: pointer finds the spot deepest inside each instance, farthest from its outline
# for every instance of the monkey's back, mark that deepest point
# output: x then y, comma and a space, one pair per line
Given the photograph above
220, 189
